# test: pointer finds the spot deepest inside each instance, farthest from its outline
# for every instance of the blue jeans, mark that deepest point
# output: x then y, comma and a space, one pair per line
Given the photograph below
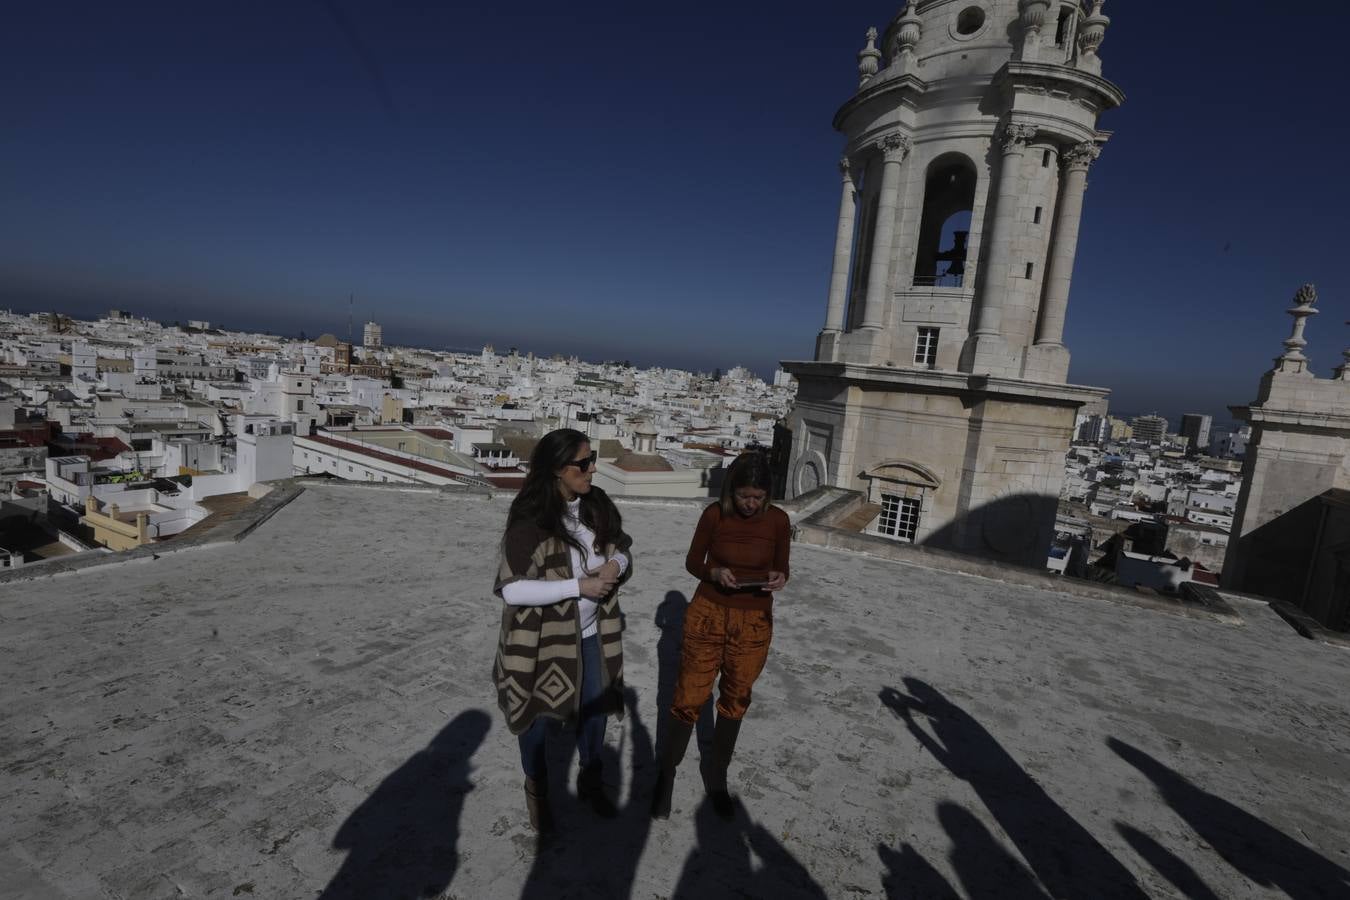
590, 728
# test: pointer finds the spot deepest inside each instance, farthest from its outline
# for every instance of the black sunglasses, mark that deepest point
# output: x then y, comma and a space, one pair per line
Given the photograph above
584, 463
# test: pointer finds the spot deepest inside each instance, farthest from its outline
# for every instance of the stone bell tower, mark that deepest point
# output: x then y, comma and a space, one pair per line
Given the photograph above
939, 381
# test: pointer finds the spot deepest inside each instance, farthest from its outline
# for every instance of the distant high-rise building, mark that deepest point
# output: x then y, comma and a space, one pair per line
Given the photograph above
1149, 429
1093, 429
374, 336
1195, 427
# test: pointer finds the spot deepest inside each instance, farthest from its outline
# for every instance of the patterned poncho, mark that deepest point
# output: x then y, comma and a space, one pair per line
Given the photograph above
537, 670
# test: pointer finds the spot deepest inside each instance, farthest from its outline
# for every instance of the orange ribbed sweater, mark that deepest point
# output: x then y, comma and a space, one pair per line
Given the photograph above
750, 548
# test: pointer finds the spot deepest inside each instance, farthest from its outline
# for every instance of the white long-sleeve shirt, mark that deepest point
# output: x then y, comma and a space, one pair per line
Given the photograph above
542, 593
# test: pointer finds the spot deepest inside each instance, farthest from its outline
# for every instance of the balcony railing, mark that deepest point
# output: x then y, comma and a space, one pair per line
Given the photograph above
949, 281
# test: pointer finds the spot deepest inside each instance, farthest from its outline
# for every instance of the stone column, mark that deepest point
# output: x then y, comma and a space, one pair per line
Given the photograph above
1077, 160
894, 148
988, 349
843, 252
990, 320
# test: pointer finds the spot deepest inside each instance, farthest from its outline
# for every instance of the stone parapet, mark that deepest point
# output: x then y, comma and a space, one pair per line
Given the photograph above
229, 530
1309, 627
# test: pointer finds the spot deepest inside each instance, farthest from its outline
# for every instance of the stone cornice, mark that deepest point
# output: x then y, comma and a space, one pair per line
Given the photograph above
931, 381
1018, 74
1015, 75
878, 87
1293, 420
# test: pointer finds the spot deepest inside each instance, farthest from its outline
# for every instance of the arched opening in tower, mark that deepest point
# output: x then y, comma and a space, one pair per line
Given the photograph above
944, 232
1065, 32
1064, 28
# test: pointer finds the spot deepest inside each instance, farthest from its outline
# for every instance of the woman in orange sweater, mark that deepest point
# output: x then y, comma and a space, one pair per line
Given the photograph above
740, 556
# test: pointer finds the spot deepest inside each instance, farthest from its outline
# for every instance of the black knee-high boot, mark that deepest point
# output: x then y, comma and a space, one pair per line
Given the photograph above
677, 741
591, 789
536, 803
715, 768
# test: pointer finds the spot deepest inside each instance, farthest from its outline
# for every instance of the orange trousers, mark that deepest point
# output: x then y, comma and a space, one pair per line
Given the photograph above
734, 642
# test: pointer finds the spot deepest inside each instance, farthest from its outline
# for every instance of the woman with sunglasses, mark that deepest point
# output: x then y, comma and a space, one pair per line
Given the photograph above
739, 553
559, 653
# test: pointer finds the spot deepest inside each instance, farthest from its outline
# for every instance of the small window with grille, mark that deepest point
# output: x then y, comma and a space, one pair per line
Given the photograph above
899, 517
925, 347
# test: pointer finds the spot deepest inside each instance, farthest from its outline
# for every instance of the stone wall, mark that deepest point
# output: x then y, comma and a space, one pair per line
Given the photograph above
986, 461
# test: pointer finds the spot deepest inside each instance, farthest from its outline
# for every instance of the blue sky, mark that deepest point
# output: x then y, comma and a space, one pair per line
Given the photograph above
627, 181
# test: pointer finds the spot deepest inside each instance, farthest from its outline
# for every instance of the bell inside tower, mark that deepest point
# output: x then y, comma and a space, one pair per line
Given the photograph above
949, 197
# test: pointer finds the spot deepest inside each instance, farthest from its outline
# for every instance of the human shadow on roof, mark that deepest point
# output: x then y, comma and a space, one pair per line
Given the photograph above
402, 840
1064, 856
589, 856
985, 867
909, 876
1258, 850
670, 620
720, 865
1168, 864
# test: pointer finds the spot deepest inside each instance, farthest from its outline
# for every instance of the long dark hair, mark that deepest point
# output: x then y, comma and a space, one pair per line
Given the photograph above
751, 469
540, 501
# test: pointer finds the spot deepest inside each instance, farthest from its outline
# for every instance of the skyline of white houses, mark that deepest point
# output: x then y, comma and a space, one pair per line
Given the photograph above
122, 431
131, 425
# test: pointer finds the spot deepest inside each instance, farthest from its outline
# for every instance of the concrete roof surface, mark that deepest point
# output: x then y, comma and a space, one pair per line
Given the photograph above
643, 462
309, 713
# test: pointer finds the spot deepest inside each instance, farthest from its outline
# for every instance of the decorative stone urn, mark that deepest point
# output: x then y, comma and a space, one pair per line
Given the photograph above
868, 58
910, 29
1033, 13
1093, 30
